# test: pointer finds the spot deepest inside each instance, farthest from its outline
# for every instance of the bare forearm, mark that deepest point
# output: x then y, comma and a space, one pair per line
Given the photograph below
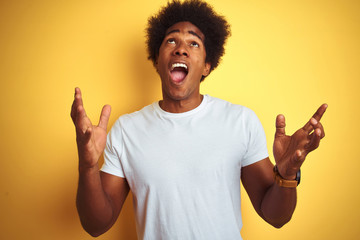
278, 205
93, 206
98, 201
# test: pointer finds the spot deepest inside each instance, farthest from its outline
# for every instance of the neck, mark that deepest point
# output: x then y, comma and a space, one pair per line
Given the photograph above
180, 106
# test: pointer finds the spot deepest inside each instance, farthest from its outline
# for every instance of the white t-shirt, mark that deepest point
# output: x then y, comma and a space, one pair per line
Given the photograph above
184, 169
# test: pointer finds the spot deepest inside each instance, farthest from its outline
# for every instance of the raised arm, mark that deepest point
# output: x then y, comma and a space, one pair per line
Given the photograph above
100, 196
274, 203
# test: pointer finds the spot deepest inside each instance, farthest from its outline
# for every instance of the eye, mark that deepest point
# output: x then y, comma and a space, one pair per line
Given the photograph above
171, 41
194, 44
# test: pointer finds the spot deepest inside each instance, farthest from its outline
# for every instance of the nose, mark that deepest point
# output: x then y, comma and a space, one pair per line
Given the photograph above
181, 50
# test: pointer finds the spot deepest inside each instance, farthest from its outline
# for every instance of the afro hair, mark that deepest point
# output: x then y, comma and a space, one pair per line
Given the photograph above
214, 27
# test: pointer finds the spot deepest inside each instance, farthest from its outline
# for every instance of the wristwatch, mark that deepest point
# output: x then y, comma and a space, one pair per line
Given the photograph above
285, 182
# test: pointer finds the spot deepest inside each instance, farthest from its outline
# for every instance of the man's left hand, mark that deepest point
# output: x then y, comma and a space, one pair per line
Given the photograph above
290, 151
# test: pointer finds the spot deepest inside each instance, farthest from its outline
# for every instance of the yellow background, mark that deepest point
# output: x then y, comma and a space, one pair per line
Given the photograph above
283, 57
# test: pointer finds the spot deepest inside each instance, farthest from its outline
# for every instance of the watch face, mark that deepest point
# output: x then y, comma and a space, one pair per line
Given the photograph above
298, 176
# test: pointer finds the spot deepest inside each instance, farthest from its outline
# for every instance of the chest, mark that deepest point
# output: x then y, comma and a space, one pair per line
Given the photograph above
183, 154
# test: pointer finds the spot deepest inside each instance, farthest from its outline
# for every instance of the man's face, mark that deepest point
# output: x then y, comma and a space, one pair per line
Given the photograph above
181, 62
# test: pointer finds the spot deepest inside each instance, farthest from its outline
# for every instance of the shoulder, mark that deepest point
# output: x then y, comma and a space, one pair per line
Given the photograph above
228, 108
136, 116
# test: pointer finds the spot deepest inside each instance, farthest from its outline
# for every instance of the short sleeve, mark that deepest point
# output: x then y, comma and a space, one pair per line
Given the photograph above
113, 151
256, 146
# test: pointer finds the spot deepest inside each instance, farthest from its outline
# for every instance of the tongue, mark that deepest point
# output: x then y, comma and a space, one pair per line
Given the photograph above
178, 75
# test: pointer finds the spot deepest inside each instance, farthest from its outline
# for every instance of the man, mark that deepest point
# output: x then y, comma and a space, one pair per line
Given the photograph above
183, 157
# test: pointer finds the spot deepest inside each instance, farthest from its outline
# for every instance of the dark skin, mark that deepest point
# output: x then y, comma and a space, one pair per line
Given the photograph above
273, 203
184, 44
101, 196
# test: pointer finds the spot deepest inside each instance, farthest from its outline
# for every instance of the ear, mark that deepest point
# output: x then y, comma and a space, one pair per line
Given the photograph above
207, 69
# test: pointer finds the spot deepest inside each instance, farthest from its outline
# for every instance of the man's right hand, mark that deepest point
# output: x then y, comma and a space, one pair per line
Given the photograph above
90, 139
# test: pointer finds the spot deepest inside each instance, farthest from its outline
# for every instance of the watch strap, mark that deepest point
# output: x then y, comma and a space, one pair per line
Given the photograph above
285, 182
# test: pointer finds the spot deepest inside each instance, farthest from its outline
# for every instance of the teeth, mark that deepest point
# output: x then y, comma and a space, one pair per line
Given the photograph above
175, 65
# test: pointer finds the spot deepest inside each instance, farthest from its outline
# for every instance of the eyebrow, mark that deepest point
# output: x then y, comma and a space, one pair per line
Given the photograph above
191, 32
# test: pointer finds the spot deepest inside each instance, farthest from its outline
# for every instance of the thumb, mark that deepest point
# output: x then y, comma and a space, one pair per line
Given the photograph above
104, 117
280, 126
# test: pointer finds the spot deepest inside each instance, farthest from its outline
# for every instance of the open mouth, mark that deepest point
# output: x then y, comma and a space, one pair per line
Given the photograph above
178, 72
